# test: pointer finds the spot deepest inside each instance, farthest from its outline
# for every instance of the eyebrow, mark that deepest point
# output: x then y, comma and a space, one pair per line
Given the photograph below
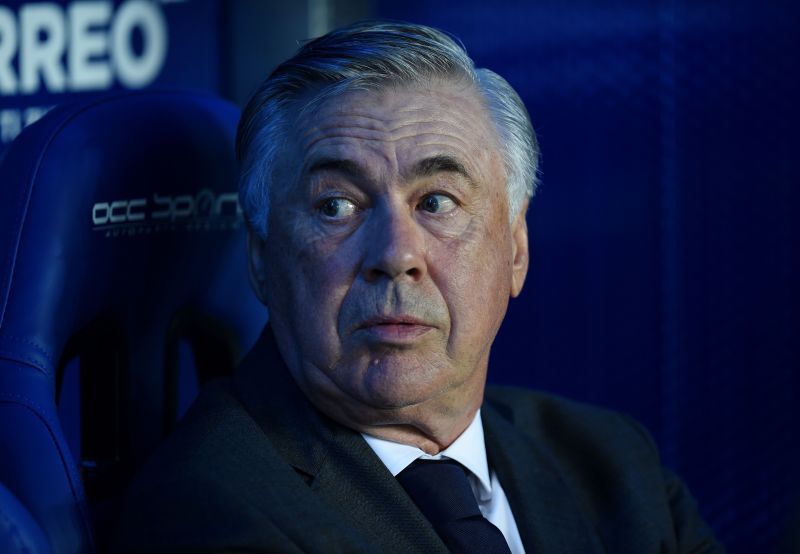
344, 166
441, 164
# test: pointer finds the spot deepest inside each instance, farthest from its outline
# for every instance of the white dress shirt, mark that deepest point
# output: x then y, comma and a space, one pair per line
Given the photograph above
469, 450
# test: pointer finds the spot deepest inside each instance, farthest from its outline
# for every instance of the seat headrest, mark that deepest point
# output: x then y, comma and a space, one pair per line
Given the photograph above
121, 206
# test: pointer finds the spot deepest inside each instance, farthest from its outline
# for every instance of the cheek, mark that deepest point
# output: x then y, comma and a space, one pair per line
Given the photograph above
311, 277
474, 275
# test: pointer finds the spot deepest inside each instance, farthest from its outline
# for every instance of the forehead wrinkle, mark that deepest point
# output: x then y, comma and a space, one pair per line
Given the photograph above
312, 139
352, 119
381, 118
366, 119
333, 130
354, 129
413, 129
456, 138
436, 114
472, 115
342, 151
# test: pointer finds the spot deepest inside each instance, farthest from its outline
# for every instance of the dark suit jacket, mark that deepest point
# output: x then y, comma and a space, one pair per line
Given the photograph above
254, 467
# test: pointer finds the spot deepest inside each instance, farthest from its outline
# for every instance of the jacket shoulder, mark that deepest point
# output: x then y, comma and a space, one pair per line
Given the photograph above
555, 419
591, 446
612, 466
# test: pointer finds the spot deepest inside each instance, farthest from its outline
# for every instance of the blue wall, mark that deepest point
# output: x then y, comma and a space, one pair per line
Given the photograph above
665, 241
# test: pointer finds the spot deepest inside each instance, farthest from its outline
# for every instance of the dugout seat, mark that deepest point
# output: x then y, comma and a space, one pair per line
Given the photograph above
123, 287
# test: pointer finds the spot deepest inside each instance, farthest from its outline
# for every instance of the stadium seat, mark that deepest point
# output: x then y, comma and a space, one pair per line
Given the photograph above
123, 287
19, 532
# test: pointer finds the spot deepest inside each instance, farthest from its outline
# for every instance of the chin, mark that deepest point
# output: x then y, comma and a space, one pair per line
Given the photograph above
398, 380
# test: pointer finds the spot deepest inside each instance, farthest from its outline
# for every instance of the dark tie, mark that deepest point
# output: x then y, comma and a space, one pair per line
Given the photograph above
441, 491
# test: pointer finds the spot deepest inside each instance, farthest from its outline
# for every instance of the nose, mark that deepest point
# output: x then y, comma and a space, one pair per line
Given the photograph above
395, 247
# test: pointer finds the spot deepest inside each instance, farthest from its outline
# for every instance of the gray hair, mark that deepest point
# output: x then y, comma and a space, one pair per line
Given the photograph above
372, 55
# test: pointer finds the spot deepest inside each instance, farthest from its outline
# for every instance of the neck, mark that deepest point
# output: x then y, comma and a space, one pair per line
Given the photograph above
429, 440
431, 425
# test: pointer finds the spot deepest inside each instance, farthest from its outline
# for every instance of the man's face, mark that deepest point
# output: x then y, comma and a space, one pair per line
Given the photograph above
390, 258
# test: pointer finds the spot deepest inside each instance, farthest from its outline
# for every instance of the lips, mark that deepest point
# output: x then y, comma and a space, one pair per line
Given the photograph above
393, 320
395, 328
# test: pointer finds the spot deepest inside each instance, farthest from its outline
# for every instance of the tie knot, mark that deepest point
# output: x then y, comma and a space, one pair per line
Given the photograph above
442, 492
440, 489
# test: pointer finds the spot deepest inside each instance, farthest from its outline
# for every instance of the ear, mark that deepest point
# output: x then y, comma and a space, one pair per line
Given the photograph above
519, 251
256, 263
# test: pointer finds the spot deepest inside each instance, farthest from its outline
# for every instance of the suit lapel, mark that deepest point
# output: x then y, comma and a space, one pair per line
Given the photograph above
336, 462
355, 481
548, 516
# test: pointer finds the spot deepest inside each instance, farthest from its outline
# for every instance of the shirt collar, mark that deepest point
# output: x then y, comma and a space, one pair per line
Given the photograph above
469, 449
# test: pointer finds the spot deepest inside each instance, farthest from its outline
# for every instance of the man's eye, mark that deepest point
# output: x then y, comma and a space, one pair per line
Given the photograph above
437, 203
337, 208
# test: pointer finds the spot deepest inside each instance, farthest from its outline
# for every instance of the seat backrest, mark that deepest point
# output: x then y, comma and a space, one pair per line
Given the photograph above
19, 532
121, 240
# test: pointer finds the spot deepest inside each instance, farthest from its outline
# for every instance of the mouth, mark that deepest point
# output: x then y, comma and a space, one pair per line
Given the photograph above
395, 329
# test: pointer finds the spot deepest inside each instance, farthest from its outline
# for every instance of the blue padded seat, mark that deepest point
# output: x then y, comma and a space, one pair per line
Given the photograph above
19, 532
120, 240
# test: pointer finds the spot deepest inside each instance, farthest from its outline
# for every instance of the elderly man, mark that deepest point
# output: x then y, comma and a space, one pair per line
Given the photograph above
385, 182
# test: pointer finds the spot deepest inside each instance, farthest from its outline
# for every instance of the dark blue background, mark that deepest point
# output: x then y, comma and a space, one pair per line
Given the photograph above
665, 243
